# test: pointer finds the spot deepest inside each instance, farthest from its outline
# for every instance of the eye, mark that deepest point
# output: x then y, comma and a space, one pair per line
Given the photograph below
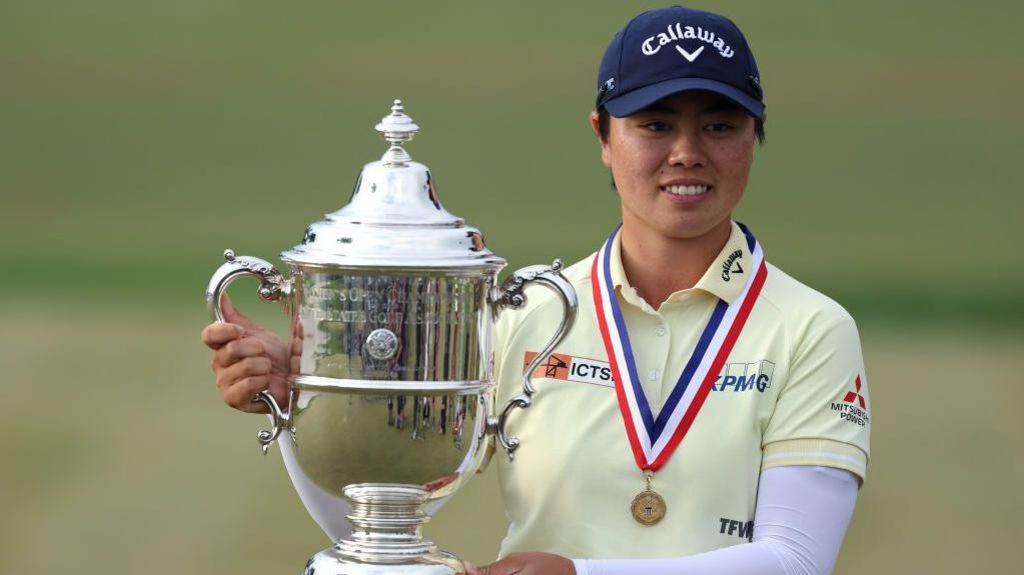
719, 128
656, 126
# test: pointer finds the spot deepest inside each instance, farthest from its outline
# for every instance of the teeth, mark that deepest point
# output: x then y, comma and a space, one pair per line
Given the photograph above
686, 190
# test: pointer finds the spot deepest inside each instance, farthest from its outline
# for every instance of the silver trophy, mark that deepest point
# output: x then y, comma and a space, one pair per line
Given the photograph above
392, 302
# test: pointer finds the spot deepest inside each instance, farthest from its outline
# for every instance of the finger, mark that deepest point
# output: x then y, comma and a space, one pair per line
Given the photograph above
470, 569
217, 334
510, 565
256, 407
279, 389
234, 316
237, 350
492, 569
240, 395
227, 377
297, 337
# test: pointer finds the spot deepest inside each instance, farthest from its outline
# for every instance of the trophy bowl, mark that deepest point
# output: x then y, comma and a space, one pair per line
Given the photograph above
392, 302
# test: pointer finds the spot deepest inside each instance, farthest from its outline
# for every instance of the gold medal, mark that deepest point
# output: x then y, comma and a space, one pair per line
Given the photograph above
648, 507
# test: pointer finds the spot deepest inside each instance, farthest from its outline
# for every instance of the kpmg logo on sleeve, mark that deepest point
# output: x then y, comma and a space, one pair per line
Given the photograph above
737, 377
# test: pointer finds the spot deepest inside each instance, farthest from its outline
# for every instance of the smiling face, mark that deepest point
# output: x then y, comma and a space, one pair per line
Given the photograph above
680, 165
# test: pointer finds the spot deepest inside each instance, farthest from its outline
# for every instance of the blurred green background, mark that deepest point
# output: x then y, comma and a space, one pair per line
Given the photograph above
140, 139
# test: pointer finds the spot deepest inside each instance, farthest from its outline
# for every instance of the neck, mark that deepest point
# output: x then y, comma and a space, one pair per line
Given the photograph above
658, 266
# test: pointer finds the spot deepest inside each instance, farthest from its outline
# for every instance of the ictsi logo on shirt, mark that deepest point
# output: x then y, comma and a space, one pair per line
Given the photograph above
569, 368
756, 376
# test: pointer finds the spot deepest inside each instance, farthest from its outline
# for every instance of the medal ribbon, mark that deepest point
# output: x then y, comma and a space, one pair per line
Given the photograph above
654, 439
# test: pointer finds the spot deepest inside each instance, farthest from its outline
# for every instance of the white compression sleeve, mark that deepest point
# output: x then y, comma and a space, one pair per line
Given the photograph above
799, 524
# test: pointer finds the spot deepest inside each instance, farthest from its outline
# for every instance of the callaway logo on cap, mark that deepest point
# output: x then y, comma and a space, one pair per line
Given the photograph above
672, 50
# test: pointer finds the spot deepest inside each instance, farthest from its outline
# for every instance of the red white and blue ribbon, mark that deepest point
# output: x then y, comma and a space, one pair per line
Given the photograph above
653, 439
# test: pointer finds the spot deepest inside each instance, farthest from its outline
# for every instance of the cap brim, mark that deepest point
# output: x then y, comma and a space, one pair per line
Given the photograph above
632, 102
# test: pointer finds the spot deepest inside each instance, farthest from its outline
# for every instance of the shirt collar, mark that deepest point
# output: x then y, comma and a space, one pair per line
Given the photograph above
724, 279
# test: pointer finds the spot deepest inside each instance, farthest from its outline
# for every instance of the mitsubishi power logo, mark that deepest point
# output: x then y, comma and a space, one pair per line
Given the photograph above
853, 408
852, 396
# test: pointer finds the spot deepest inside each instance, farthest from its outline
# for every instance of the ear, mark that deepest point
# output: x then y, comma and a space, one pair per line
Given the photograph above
606, 158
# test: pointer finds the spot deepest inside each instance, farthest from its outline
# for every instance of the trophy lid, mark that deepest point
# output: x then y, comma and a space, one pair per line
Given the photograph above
394, 218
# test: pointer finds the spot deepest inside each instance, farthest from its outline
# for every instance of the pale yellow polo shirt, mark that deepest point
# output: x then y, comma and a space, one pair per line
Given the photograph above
793, 392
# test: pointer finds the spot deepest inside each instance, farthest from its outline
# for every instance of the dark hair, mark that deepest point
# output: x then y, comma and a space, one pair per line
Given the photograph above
602, 126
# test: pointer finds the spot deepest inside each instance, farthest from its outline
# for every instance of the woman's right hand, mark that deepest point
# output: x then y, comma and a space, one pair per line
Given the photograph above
247, 359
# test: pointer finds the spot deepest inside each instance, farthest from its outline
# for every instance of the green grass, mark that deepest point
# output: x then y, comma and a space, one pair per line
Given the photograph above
140, 140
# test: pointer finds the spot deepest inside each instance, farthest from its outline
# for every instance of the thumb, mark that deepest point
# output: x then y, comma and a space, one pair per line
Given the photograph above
232, 315
492, 569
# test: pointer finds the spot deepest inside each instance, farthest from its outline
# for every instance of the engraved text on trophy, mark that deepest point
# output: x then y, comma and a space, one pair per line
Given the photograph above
435, 321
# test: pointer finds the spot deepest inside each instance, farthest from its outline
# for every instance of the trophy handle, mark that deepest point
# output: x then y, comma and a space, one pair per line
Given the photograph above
510, 295
273, 288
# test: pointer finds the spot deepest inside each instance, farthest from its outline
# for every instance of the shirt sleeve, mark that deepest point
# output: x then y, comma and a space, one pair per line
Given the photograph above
801, 518
822, 414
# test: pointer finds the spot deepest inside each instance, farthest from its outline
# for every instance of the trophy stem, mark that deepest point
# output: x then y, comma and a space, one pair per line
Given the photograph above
387, 530
386, 512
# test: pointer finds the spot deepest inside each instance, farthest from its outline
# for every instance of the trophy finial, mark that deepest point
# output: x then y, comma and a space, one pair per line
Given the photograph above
397, 128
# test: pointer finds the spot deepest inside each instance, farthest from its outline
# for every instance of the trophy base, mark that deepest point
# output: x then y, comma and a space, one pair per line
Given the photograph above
387, 521
335, 561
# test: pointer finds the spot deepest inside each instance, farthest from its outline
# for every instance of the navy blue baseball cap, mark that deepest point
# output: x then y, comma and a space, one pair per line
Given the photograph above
671, 50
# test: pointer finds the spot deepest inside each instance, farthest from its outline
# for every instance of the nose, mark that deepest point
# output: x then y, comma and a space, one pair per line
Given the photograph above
687, 150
